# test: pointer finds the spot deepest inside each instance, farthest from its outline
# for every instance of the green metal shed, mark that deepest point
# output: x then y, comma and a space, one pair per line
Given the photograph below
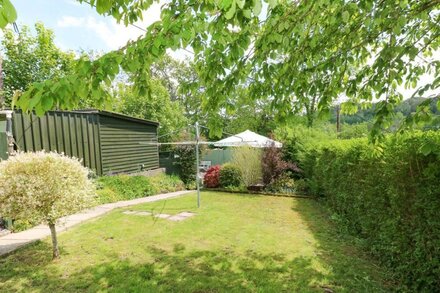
107, 142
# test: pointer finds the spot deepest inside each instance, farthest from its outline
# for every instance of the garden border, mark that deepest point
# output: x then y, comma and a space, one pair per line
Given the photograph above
257, 193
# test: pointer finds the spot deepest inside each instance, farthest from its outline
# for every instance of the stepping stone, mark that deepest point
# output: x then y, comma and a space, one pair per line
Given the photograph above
143, 214
177, 218
137, 213
162, 216
181, 216
186, 214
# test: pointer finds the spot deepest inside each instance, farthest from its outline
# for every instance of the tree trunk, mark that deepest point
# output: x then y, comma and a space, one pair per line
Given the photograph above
310, 119
338, 119
53, 232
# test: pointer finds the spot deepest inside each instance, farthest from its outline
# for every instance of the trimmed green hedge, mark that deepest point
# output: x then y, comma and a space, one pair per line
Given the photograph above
390, 197
125, 187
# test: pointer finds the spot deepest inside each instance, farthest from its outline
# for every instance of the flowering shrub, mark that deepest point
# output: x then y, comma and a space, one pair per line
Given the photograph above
43, 186
212, 177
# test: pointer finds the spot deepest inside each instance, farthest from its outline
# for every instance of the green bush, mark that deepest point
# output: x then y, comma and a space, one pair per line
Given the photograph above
300, 140
166, 183
301, 186
230, 176
187, 164
282, 184
125, 187
389, 196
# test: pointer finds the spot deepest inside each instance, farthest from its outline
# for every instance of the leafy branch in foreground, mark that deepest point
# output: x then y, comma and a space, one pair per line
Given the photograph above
290, 52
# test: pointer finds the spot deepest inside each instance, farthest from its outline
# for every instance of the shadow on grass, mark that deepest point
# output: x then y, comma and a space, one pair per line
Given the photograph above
177, 271
350, 267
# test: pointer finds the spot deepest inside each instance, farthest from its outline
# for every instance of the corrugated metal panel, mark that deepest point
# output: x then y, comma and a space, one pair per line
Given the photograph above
75, 134
218, 157
124, 145
3, 138
106, 142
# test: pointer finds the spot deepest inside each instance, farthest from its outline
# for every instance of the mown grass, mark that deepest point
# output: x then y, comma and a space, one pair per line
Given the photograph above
235, 243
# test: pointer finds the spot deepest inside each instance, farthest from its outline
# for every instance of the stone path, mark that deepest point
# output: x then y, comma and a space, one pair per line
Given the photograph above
13, 241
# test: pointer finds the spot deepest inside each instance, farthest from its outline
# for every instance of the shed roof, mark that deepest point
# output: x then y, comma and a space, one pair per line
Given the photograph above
117, 115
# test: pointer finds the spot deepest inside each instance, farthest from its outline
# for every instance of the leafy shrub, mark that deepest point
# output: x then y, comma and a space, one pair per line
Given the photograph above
299, 140
191, 186
125, 187
43, 187
186, 163
301, 186
387, 196
274, 165
282, 184
166, 183
354, 130
230, 176
248, 160
212, 177
239, 188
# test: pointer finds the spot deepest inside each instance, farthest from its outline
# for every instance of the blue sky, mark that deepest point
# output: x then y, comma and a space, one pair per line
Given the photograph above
78, 26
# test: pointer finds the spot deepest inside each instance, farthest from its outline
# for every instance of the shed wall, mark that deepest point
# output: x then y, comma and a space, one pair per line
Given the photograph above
124, 146
74, 134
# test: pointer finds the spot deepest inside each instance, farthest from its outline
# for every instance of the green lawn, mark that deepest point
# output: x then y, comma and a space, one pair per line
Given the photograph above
235, 243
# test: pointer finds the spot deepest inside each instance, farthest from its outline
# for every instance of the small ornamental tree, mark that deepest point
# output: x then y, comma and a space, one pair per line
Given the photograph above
212, 177
45, 186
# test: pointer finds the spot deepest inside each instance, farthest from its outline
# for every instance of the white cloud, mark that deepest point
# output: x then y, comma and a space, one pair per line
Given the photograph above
71, 21
113, 34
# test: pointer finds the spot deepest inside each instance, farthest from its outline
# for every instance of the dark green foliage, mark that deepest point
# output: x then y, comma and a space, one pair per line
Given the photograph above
230, 176
389, 196
124, 187
300, 186
282, 184
187, 163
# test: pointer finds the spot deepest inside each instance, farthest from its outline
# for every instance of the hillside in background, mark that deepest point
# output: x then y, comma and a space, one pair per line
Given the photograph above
405, 108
